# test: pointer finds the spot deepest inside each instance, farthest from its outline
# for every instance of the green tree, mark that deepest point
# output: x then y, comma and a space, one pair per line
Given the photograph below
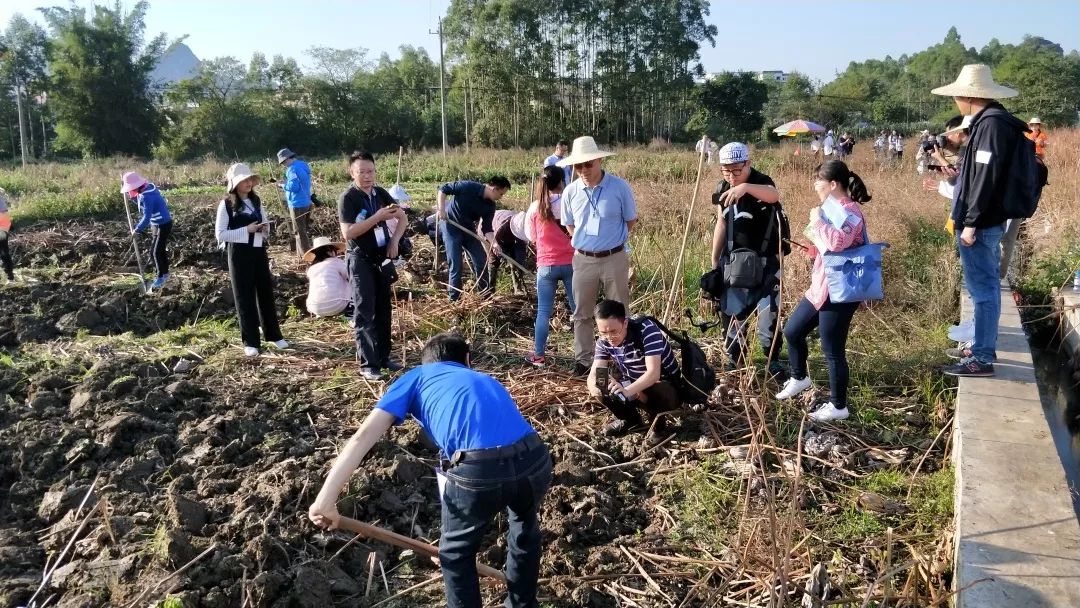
99, 71
731, 107
22, 71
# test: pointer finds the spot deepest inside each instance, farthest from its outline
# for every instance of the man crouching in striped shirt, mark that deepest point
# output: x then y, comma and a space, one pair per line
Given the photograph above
646, 372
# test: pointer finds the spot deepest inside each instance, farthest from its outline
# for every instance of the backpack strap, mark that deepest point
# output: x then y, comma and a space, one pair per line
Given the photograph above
768, 235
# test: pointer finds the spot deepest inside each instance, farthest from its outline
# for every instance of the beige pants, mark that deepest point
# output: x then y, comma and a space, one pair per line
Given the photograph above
613, 272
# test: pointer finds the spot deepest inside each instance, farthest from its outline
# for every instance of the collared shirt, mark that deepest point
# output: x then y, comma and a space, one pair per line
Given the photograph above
461, 409
469, 205
298, 184
611, 200
630, 355
355, 206
568, 172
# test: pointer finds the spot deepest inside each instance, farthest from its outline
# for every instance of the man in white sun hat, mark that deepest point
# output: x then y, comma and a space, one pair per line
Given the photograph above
599, 211
979, 209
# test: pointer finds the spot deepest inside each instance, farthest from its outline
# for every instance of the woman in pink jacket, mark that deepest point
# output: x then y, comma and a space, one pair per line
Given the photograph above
841, 192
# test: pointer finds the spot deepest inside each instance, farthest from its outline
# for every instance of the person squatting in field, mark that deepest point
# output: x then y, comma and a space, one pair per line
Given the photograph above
155, 214
243, 228
491, 461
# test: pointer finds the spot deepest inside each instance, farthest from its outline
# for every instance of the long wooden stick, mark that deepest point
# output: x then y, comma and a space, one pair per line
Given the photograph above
400, 155
134, 243
482, 240
398, 540
677, 279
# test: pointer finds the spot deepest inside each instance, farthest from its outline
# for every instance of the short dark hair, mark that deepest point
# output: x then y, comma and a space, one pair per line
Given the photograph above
360, 155
498, 181
563, 143
447, 346
610, 309
954, 122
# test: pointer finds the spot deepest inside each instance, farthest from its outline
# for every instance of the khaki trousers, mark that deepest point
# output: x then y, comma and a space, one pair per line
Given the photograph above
613, 272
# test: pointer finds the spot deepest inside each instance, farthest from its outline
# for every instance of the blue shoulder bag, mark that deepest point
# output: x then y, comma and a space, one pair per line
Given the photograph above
854, 274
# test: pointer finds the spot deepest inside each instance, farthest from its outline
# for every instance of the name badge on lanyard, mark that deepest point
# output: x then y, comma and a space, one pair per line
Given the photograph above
381, 236
592, 225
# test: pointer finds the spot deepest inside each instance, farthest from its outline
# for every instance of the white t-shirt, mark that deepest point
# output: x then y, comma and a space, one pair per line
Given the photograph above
328, 288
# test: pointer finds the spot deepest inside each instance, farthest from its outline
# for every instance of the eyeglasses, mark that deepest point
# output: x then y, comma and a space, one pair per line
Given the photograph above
732, 169
585, 165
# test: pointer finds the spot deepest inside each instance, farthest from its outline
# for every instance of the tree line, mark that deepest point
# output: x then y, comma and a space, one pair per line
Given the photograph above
519, 73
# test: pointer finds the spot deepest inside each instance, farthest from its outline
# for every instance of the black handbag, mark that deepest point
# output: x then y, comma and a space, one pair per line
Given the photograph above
389, 272
743, 267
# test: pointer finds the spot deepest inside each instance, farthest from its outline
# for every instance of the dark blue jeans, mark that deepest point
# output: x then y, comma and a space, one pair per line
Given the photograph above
476, 492
832, 321
982, 265
456, 241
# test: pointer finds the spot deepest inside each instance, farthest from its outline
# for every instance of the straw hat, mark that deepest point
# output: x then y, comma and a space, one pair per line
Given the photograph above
964, 124
237, 173
583, 151
1034, 121
322, 241
131, 181
976, 81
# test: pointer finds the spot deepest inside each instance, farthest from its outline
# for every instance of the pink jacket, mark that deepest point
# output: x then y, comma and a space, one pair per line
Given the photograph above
836, 240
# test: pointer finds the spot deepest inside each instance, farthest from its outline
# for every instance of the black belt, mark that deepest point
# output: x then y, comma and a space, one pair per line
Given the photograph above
526, 443
601, 254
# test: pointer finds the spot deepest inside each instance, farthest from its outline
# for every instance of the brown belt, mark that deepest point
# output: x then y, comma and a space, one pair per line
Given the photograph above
601, 254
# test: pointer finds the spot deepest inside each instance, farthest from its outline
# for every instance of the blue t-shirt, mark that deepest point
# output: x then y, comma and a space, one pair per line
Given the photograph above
611, 200
460, 408
469, 205
630, 356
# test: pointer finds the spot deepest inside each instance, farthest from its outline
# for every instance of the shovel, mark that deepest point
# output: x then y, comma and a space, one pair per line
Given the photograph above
392, 538
135, 244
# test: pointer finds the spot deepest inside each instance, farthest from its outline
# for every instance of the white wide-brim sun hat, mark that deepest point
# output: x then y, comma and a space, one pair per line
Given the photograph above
237, 173
584, 150
975, 80
322, 241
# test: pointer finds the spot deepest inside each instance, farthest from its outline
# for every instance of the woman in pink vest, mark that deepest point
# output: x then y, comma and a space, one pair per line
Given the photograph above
554, 256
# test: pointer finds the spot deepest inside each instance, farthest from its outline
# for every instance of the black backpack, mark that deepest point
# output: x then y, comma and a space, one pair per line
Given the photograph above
1025, 183
697, 378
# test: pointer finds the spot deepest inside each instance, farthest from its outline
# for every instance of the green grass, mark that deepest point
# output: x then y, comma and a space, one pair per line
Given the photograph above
702, 500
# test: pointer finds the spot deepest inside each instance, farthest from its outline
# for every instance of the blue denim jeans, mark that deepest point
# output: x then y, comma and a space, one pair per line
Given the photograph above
476, 492
456, 241
833, 321
547, 281
981, 266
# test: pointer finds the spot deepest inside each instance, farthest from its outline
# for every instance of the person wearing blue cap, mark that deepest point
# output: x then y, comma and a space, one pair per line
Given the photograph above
297, 189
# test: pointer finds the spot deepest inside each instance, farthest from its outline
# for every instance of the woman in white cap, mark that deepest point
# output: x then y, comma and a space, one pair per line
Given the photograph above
328, 279
155, 214
243, 228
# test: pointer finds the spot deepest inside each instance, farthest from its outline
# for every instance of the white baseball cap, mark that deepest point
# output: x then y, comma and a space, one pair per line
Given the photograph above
734, 152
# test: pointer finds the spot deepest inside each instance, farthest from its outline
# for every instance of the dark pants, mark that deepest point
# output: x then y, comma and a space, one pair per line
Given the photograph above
303, 234
5, 255
253, 290
486, 482
160, 243
371, 311
457, 241
660, 397
513, 247
833, 321
735, 340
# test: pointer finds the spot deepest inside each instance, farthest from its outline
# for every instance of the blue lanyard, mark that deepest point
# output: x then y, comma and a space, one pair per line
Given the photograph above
594, 199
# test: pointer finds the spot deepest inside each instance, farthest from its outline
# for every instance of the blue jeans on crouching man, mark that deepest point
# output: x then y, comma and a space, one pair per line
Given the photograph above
479, 486
547, 282
981, 264
455, 240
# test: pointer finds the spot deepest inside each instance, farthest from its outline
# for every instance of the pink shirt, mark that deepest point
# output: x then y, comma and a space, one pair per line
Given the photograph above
328, 288
552, 244
835, 240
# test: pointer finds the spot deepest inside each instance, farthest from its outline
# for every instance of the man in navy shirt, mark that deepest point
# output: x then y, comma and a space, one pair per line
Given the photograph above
646, 365
492, 460
474, 203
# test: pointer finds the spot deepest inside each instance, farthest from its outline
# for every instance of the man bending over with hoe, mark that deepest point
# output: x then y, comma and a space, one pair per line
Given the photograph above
492, 460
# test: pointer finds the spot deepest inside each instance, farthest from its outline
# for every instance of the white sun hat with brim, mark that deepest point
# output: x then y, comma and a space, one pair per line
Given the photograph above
319, 242
398, 193
583, 151
964, 124
1034, 121
975, 80
237, 173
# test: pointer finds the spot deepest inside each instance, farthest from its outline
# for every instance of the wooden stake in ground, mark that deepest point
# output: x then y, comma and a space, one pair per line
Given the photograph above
400, 155
134, 243
676, 281
392, 538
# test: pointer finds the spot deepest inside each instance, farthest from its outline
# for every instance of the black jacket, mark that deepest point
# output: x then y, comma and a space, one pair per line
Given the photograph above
984, 170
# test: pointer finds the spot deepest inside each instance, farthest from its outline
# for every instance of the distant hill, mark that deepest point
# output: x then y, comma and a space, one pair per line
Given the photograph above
178, 63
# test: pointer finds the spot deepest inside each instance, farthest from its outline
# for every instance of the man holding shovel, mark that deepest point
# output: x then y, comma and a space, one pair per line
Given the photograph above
297, 189
491, 460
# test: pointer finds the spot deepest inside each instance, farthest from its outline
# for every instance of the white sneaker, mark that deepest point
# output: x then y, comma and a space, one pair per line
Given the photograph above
828, 413
281, 344
793, 387
964, 332
251, 351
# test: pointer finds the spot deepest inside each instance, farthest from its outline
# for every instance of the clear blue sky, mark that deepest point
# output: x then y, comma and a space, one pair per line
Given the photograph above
816, 37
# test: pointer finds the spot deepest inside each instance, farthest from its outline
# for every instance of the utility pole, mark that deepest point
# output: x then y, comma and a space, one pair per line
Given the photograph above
442, 86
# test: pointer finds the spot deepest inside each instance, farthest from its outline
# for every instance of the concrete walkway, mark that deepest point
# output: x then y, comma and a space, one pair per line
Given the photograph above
1017, 533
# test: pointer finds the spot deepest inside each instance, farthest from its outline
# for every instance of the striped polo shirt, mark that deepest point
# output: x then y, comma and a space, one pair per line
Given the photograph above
630, 355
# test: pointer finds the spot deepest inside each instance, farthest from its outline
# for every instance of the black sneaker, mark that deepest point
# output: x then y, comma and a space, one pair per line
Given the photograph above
581, 370
620, 427
971, 368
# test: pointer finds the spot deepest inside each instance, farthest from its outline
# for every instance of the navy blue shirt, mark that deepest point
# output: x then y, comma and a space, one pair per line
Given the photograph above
460, 408
630, 355
469, 205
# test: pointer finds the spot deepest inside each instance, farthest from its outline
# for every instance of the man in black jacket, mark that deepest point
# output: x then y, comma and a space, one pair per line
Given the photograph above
978, 210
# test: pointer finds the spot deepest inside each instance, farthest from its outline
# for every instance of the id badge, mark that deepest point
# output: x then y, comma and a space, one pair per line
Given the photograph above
592, 225
380, 236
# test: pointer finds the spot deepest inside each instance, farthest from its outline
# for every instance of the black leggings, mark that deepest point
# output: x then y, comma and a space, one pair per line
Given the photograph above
161, 254
833, 321
5, 255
